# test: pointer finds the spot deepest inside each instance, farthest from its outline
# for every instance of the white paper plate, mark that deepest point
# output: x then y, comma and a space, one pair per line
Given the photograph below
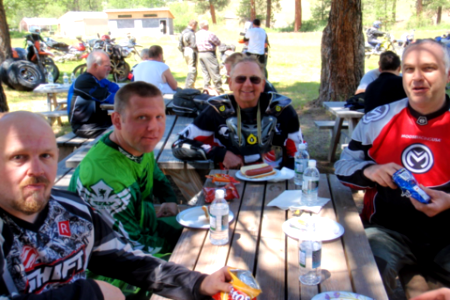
195, 218
340, 296
326, 229
240, 176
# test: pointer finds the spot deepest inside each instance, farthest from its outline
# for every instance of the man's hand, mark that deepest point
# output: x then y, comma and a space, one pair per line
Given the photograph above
440, 294
440, 201
382, 174
110, 291
167, 210
216, 282
232, 161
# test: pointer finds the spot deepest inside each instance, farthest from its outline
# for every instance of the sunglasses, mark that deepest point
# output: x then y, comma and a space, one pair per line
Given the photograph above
253, 79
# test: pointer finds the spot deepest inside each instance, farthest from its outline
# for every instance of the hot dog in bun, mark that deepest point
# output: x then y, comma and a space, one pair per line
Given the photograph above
257, 171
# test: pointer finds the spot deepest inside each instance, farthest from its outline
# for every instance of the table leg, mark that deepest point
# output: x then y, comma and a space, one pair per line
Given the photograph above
51, 100
335, 138
187, 180
352, 122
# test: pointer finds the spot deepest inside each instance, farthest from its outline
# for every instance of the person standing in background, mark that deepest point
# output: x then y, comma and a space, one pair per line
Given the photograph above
189, 49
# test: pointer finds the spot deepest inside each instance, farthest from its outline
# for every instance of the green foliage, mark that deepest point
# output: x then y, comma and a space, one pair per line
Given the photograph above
119, 4
202, 6
243, 11
307, 26
183, 13
320, 10
381, 10
418, 21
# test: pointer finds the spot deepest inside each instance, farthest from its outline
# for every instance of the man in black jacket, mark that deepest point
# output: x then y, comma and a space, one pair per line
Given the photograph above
87, 93
388, 87
189, 49
48, 237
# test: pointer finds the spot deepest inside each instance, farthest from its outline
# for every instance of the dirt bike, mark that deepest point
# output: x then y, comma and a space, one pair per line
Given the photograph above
41, 58
65, 52
119, 67
129, 49
387, 43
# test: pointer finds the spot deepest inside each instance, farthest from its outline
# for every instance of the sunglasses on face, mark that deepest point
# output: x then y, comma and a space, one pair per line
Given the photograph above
253, 79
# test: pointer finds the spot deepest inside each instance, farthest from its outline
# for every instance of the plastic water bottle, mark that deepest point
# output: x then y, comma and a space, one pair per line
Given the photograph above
72, 78
301, 163
49, 77
218, 218
310, 185
310, 256
66, 79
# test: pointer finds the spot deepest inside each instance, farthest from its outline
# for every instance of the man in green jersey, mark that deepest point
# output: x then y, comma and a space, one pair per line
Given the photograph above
119, 176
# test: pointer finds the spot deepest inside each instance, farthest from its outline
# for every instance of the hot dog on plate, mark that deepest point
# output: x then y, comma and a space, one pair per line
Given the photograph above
257, 171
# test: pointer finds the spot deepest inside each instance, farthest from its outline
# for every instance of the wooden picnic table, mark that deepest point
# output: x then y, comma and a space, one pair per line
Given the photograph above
258, 243
188, 176
342, 113
167, 101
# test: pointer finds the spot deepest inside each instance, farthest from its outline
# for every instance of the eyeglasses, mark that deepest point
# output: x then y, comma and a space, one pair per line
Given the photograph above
253, 79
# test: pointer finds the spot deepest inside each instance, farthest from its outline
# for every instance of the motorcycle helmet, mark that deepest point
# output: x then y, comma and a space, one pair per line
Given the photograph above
377, 24
35, 30
106, 38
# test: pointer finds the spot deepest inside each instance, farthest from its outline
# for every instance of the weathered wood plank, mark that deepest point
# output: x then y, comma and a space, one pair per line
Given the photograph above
272, 246
363, 269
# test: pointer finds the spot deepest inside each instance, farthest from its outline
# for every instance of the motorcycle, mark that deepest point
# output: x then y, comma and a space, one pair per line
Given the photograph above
65, 52
129, 49
387, 43
119, 67
39, 57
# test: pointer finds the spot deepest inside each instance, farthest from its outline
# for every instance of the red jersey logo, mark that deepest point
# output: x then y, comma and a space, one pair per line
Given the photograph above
64, 228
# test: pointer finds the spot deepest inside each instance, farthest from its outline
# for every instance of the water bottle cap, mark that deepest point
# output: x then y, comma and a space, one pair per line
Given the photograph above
301, 146
220, 194
312, 163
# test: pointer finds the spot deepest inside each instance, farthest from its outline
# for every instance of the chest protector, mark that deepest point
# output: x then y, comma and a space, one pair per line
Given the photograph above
251, 138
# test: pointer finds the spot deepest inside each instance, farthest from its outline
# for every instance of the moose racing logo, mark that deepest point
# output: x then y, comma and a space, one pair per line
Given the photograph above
417, 158
376, 114
60, 271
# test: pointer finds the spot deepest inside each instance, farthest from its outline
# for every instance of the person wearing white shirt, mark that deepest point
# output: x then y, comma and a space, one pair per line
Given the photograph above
156, 72
257, 39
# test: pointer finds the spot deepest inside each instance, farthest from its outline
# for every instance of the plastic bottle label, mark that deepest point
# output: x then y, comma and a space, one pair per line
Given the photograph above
302, 258
316, 258
218, 223
212, 222
300, 165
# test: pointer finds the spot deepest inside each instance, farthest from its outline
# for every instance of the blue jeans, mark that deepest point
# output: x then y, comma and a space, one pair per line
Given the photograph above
393, 251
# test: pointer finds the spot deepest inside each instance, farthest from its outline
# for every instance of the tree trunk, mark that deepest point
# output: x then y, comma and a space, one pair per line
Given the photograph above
5, 40
394, 11
3, 103
298, 15
439, 15
269, 13
342, 52
419, 8
213, 11
252, 10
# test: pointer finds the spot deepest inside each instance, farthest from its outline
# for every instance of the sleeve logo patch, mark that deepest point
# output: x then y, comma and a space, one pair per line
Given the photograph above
64, 228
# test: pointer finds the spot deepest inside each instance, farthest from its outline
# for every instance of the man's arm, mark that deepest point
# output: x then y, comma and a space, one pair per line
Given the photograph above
214, 39
162, 189
440, 294
113, 258
88, 87
170, 79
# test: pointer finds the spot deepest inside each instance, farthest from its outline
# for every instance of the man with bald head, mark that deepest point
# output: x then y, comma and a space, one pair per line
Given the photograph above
411, 133
49, 237
243, 128
87, 93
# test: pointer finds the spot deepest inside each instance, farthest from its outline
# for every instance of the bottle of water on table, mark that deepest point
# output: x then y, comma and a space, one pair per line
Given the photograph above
218, 218
66, 79
50, 78
310, 256
72, 78
301, 163
310, 185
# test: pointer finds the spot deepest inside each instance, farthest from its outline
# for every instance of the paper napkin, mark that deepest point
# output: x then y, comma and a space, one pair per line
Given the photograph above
294, 198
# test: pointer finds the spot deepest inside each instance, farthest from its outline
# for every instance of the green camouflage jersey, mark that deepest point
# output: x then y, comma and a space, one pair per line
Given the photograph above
121, 187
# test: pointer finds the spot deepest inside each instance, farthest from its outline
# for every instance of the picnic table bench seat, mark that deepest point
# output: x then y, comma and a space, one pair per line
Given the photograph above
69, 142
329, 124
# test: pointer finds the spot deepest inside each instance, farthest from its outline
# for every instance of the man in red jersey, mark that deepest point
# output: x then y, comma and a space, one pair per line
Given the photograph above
411, 133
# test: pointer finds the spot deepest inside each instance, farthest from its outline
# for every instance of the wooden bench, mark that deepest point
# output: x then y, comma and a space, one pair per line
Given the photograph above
54, 115
69, 142
329, 125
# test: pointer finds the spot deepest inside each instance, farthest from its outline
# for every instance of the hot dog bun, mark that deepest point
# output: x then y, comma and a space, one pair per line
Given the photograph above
257, 171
